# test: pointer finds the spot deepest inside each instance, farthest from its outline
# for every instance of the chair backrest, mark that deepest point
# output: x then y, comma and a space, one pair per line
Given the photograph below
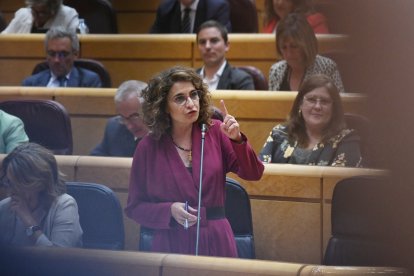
259, 80
3, 23
243, 16
238, 212
99, 15
90, 64
46, 122
361, 223
100, 215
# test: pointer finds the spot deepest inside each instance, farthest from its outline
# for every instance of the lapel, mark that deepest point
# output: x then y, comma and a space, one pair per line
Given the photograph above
175, 26
44, 78
74, 78
225, 79
201, 15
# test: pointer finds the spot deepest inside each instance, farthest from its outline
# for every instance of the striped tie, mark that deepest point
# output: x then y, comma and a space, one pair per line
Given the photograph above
62, 81
185, 24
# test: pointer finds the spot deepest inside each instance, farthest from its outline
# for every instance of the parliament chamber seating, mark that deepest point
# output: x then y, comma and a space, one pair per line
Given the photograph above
259, 79
100, 215
90, 64
46, 122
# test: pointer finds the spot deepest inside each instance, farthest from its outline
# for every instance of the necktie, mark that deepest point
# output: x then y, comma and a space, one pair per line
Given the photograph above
62, 81
185, 24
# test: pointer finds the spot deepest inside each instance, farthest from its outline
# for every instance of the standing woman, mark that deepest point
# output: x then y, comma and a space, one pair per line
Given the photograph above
296, 43
166, 166
38, 211
315, 132
277, 10
41, 15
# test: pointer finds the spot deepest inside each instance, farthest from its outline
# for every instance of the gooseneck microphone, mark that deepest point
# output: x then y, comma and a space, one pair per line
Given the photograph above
203, 135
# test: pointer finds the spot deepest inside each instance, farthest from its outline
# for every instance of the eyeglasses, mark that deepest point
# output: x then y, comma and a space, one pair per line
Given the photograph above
130, 119
61, 54
314, 100
182, 99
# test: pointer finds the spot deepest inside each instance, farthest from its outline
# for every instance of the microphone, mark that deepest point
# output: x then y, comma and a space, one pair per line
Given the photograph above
203, 135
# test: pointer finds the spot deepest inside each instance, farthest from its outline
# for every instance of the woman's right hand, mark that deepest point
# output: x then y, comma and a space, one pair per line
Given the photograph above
180, 214
21, 208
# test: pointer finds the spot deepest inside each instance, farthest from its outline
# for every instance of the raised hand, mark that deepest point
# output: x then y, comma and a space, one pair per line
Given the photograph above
230, 127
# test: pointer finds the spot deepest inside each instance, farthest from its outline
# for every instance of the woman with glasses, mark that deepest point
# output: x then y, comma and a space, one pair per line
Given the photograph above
38, 212
296, 43
41, 15
165, 175
315, 132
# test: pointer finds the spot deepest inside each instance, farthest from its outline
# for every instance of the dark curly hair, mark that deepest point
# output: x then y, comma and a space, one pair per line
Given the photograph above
296, 124
156, 97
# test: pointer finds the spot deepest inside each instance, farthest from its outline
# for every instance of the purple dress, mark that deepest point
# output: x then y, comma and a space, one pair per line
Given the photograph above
159, 178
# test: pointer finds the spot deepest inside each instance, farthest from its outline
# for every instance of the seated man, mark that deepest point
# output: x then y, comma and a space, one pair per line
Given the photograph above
62, 48
123, 132
12, 132
212, 41
185, 16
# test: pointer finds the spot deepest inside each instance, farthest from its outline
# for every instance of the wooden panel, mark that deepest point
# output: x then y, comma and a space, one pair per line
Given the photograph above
128, 23
129, 6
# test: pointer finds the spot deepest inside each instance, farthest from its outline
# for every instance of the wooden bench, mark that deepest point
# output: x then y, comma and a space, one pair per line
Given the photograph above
89, 109
142, 56
290, 204
75, 261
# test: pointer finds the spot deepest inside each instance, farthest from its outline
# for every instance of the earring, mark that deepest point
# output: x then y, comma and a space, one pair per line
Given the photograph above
300, 112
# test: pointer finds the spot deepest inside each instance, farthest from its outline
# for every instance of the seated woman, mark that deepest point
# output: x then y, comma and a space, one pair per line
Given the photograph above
40, 15
38, 211
276, 10
315, 132
297, 44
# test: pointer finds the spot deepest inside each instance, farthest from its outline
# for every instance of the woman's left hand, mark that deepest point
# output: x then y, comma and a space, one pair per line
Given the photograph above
230, 127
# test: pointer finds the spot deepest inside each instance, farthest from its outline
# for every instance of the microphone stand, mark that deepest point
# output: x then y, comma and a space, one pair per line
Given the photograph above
203, 135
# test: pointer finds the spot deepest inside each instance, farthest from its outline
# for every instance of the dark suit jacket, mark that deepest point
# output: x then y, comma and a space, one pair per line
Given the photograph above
79, 77
234, 79
117, 141
168, 18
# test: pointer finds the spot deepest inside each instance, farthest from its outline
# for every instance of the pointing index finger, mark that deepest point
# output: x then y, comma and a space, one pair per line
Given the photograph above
223, 108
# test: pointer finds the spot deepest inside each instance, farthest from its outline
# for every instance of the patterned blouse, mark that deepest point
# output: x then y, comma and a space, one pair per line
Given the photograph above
322, 65
342, 150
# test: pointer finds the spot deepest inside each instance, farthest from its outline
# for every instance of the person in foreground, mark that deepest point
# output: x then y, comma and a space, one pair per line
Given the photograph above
315, 132
296, 43
12, 132
41, 15
123, 132
62, 49
38, 211
165, 173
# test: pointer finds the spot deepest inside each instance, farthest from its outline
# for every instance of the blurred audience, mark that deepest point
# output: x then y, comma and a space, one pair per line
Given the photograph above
212, 42
12, 132
123, 132
315, 132
38, 211
62, 48
296, 43
41, 15
277, 10
185, 16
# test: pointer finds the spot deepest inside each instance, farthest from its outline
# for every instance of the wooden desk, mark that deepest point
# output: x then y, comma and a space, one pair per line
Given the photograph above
142, 56
257, 112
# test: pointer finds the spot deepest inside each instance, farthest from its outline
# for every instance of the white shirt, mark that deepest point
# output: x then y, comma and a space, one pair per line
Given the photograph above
212, 83
193, 8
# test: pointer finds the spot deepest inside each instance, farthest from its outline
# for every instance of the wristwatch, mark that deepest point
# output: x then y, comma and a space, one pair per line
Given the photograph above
31, 230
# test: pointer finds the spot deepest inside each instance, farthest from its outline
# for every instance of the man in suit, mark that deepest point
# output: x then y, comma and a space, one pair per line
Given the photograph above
123, 132
185, 16
62, 48
212, 41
